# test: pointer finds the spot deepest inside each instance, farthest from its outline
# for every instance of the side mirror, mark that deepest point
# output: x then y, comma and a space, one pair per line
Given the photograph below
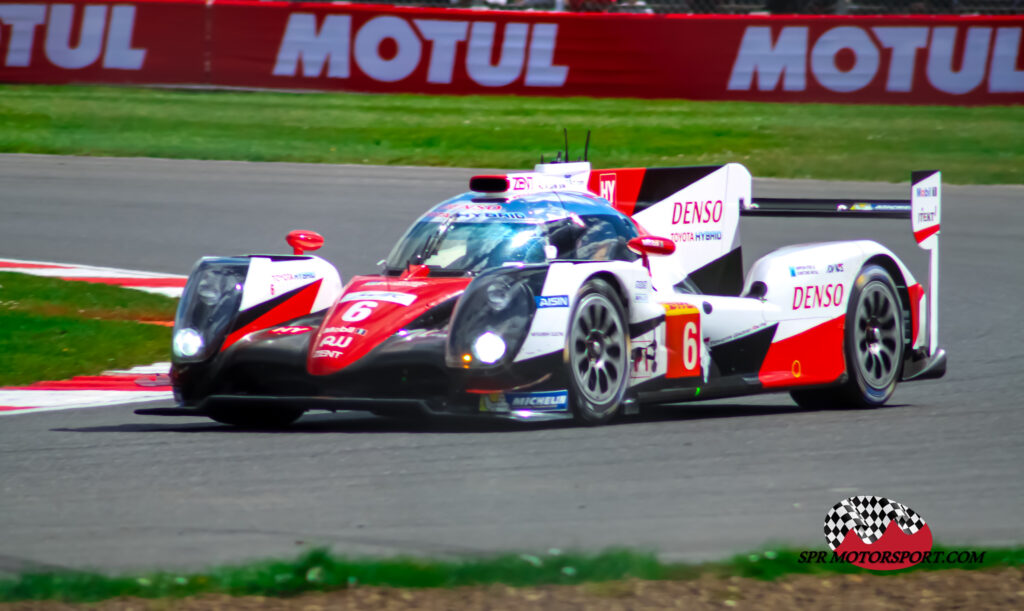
652, 245
301, 240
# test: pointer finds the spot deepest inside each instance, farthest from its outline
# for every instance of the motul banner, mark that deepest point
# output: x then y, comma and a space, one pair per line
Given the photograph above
97, 42
891, 60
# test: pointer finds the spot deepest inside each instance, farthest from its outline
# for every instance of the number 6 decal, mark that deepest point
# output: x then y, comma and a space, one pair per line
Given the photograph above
682, 340
359, 310
691, 352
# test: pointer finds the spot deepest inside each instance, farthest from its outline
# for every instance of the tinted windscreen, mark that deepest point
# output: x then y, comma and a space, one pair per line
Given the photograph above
471, 246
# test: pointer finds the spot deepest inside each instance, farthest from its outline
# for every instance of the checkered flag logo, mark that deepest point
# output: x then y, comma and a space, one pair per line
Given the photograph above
869, 517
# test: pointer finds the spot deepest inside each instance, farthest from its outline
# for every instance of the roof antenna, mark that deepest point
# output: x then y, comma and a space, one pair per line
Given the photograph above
565, 132
586, 147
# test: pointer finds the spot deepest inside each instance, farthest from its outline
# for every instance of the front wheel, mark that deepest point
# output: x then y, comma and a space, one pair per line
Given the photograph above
597, 354
873, 344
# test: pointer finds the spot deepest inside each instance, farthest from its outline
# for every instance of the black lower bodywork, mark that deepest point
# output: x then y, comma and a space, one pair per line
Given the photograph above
405, 375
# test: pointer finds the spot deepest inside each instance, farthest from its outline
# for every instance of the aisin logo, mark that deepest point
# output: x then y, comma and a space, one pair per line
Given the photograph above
874, 532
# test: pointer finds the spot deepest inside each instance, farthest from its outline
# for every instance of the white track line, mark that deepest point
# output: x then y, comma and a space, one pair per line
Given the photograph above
25, 400
170, 285
33, 401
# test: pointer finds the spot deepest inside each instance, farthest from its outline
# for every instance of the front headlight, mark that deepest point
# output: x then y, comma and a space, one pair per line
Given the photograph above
207, 307
489, 348
499, 293
187, 343
492, 317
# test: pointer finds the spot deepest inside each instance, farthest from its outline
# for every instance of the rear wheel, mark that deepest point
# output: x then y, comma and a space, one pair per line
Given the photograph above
598, 351
873, 345
255, 417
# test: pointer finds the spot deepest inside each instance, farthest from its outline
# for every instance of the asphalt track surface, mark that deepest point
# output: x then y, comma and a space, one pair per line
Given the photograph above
107, 489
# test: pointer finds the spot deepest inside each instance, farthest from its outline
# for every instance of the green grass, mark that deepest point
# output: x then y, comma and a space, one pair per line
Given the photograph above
319, 570
54, 329
970, 145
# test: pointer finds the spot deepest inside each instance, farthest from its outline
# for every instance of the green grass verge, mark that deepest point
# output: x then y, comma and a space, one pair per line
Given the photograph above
860, 142
319, 570
54, 329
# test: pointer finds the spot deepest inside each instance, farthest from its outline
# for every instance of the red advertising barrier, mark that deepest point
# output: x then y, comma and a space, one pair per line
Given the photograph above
96, 42
374, 48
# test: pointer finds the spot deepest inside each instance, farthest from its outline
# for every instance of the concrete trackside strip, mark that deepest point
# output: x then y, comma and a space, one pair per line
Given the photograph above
164, 284
135, 385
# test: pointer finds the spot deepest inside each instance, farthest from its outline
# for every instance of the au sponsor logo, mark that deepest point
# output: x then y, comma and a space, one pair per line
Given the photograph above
336, 341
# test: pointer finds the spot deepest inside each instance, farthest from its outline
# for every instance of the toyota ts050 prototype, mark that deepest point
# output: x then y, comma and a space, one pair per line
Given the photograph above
566, 292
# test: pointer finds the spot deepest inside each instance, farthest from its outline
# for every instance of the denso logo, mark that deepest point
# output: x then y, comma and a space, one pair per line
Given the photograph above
390, 49
848, 58
817, 296
552, 301
696, 212
96, 35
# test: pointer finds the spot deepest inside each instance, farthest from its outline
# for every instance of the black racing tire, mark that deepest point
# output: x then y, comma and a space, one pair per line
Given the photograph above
873, 344
597, 354
250, 417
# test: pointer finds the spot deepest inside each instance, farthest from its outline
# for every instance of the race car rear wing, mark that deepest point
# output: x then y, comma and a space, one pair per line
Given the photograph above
924, 209
853, 208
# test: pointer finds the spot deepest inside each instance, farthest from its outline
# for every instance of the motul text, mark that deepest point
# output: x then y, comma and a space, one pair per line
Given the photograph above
103, 31
939, 59
848, 58
390, 48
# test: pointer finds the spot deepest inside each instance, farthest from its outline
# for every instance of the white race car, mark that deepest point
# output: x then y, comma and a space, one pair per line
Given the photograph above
566, 292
